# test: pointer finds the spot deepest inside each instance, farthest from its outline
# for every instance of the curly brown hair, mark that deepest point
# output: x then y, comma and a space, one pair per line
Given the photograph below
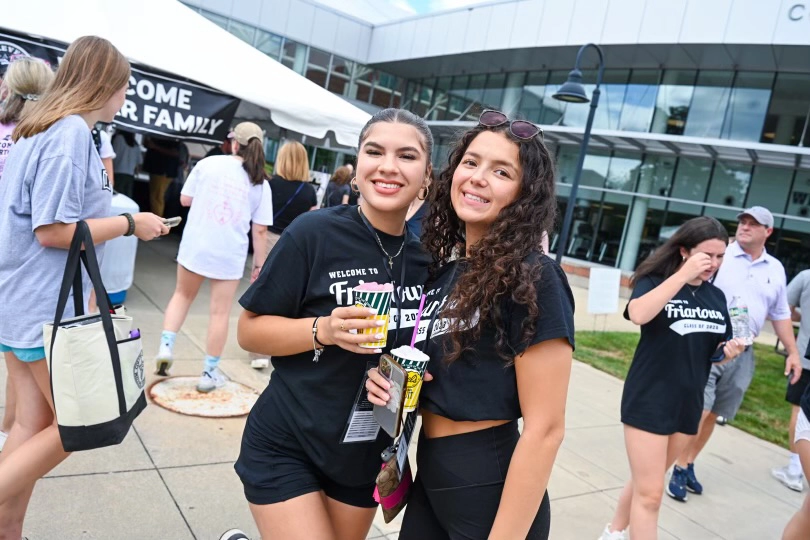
499, 265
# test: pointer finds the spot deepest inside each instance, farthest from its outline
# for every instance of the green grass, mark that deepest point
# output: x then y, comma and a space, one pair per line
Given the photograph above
764, 412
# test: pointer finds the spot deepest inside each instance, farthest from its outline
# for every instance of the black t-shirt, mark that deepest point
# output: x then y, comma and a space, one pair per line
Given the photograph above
311, 271
283, 191
663, 393
159, 163
335, 193
479, 385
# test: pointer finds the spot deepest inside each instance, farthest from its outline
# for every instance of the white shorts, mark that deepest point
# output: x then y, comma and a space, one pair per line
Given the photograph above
802, 428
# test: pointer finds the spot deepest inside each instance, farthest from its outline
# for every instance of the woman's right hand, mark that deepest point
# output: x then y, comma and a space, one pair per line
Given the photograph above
695, 266
338, 326
149, 226
378, 386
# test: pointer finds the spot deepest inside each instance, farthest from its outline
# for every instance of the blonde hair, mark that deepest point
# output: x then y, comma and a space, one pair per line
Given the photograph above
92, 71
26, 80
292, 162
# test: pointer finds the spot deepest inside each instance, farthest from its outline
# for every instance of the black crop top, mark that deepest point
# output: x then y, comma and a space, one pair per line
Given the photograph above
479, 385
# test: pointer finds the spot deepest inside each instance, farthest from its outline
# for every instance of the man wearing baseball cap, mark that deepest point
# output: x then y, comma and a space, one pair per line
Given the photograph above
753, 282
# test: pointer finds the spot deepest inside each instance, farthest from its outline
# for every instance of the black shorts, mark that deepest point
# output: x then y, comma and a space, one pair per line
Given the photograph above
459, 484
795, 391
274, 467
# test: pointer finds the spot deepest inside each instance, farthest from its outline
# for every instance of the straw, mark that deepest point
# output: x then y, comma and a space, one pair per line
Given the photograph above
418, 318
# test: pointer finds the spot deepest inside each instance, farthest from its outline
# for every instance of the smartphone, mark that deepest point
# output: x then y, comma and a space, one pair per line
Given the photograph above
390, 416
172, 221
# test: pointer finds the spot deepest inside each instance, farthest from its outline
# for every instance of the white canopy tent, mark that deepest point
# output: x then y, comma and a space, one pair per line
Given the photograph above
169, 36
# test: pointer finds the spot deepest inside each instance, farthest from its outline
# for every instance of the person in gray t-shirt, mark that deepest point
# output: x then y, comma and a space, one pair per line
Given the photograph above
798, 295
53, 178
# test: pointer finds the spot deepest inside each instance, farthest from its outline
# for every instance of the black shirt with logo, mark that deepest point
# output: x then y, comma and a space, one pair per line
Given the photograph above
480, 385
663, 393
300, 201
320, 257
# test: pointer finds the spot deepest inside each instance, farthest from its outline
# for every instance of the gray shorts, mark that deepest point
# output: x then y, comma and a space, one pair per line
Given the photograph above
727, 384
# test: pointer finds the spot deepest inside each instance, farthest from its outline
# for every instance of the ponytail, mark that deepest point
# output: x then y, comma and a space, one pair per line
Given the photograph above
252, 155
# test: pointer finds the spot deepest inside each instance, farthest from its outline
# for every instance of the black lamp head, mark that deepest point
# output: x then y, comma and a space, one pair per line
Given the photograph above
572, 91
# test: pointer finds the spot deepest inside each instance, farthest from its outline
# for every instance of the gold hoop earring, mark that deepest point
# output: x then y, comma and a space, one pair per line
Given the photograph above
353, 185
425, 196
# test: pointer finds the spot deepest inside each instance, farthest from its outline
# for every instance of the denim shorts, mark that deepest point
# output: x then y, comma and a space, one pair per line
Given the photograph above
26, 355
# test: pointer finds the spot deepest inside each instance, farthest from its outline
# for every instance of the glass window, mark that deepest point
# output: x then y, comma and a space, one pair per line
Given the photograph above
770, 187
613, 88
475, 94
493, 91
245, 32
383, 89
531, 99
709, 102
269, 44
747, 106
318, 66
799, 200
457, 101
729, 187
362, 83
439, 107
512, 90
655, 178
672, 101
639, 100
788, 118
552, 109
219, 20
691, 183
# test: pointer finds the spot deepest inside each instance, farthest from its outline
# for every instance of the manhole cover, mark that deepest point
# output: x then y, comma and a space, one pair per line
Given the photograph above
179, 394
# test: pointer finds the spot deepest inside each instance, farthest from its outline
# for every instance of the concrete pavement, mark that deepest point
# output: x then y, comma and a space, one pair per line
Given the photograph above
172, 478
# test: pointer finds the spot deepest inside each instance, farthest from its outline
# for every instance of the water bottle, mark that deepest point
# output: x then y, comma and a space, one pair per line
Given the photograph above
738, 311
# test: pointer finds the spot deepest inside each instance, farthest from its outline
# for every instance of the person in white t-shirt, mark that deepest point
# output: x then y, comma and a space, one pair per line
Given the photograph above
226, 194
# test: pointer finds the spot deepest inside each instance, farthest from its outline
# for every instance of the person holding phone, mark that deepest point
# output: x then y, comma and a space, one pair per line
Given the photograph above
226, 194
309, 456
53, 178
500, 348
685, 330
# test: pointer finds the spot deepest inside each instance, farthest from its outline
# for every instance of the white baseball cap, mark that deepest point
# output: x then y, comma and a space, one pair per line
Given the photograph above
246, 131
759, 213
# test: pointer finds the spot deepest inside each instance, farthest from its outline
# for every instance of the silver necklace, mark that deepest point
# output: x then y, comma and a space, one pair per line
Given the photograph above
695, 290
379, 243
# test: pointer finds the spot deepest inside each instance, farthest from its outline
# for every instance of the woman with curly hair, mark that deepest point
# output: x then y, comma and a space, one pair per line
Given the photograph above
502, 349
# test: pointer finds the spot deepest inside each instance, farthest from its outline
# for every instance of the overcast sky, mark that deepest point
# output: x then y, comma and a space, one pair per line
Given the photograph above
379, 11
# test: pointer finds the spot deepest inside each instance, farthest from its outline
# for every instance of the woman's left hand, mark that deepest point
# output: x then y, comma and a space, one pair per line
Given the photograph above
733, 348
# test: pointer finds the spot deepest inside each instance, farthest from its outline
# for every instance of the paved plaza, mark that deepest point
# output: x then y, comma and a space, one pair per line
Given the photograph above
173, 479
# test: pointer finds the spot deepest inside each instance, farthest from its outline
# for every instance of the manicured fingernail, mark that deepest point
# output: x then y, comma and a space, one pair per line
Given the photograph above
380, 323
378, 337
372, 311
377, 350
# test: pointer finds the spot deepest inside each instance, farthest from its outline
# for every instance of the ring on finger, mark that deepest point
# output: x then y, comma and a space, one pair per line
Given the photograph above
343, 326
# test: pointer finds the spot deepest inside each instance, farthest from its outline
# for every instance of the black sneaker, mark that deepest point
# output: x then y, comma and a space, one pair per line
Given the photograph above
234, 534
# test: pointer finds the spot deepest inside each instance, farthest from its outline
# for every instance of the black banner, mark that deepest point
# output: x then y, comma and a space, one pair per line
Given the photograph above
157, 103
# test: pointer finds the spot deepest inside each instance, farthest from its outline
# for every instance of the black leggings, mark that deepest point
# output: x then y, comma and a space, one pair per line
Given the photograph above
459, 484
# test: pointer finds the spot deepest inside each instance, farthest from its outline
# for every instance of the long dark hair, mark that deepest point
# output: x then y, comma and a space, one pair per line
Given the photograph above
400, 116
252, 155
499, 266
667, 259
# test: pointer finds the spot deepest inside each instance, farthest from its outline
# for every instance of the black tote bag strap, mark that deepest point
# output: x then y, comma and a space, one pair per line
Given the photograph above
73, 267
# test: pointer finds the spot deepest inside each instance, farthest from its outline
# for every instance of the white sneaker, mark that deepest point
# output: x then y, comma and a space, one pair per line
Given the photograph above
211, 380
163, 361
3, 437
792, 481
260, 363
607, 534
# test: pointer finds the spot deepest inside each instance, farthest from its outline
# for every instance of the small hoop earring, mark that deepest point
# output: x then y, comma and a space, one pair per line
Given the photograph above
425, 196
353, 185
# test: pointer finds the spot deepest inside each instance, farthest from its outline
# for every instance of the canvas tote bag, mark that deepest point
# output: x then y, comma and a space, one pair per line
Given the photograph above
96, 366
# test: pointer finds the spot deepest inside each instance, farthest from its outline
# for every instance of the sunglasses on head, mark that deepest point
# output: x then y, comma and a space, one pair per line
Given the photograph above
520, 129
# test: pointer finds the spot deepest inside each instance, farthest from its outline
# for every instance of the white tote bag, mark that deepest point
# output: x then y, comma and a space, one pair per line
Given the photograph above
95, 361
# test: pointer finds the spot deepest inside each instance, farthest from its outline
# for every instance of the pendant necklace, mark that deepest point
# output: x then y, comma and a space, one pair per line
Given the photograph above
695, 290
379, 243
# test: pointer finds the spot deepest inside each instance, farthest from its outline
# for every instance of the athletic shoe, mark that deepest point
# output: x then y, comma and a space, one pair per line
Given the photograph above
260, 363
234, 534
163, 361
3, 437
692, 483
677, 484
607, 534
792, 481
721, 421
211, 380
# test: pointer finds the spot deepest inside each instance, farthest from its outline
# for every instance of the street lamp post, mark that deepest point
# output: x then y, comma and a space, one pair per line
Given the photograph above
573, 92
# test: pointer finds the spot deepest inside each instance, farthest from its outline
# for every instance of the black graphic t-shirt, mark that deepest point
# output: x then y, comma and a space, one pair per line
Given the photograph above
283, 191
663, 393
312, 269
479, 385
